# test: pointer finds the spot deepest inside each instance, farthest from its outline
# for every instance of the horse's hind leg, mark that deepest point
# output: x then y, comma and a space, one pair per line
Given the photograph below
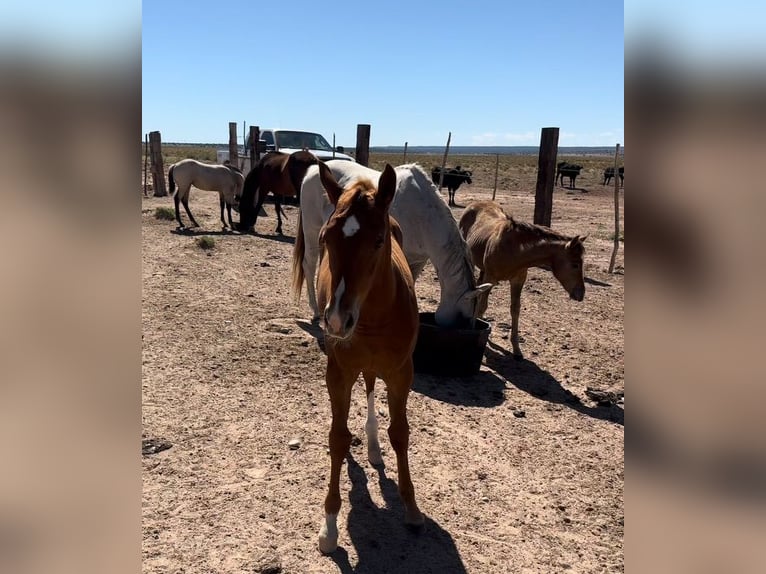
398, 385
185, 202
517, 284
371, 426
177, 201
310, 256
228, 211
278, 206
223, 204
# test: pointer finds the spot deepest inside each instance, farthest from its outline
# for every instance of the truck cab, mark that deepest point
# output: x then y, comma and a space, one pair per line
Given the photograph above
289, 141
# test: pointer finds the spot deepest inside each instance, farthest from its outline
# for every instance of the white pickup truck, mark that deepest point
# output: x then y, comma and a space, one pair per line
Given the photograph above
290, 141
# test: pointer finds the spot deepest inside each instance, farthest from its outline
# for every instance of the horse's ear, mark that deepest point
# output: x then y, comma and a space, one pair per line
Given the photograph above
386, 187
331, 186
576, 242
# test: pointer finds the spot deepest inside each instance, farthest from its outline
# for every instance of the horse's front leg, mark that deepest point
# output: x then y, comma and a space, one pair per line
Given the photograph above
517, 284
339, 383
371, 426
398, 385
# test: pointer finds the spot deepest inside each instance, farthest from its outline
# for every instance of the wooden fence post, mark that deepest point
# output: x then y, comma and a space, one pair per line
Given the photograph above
616, 211
363, 144
546, 175
158, 171
146, 162
233, 149
497, 165
444, 161
405, 153
253, 145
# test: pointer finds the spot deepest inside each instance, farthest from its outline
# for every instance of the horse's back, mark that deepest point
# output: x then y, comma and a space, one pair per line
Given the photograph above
479, 224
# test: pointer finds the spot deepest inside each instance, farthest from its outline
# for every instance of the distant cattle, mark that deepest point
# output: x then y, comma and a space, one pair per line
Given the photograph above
452, 179
570, 170
609, 174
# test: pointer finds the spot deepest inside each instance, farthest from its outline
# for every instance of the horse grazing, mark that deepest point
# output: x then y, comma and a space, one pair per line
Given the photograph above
428, 227
278, 173
370, 319
227, 180
503, 249
609, 174
570, 170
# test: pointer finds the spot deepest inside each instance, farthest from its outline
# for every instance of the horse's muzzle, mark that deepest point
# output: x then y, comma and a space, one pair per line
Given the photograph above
339, 325
578, 293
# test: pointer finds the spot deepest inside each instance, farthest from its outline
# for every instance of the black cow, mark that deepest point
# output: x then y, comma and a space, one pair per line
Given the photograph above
570, 170
609, 174
453, 177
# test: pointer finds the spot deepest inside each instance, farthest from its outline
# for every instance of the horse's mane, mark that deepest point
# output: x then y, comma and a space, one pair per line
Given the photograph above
233, 167
458, 259
534, 234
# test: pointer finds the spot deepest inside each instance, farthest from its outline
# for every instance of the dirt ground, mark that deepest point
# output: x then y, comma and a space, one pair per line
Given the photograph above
517, 469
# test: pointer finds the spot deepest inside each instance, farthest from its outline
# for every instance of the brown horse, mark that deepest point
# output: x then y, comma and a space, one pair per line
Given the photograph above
370, 318
503, 249
278, 173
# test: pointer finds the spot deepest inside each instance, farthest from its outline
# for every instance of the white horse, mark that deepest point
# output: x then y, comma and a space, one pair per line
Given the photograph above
227, 180
429, 230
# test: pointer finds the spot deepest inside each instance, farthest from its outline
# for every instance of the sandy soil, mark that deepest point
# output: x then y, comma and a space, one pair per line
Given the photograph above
232, 371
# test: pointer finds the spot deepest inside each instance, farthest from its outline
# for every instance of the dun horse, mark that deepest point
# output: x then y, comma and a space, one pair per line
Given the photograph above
503, 249
278, 173
429, 229
370, 319
227, 180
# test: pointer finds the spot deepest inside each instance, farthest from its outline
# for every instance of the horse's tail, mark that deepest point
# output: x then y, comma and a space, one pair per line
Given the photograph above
298, 253
172, 181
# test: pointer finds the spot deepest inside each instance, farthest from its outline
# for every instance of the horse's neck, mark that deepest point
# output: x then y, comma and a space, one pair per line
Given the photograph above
447, 251
534, 249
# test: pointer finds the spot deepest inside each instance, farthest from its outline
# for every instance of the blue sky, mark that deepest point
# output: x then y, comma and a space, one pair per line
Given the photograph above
491, 72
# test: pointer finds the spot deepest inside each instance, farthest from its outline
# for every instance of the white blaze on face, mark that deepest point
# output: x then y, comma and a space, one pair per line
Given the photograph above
351, 226
333, 316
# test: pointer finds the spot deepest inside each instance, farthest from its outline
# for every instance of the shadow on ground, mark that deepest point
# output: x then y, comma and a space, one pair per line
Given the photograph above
483, 389
383, 543
528, 377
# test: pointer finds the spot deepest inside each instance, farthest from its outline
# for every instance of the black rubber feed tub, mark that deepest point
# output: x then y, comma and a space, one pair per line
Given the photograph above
449, 351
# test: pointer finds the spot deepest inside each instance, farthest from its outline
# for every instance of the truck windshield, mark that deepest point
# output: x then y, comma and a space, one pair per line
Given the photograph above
299, 140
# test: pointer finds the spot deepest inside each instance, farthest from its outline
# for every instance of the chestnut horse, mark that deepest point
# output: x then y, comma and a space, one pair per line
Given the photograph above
278, 173
370, 320
503, 249
227, 180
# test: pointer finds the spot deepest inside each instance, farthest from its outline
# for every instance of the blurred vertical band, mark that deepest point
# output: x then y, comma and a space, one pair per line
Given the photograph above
70, 89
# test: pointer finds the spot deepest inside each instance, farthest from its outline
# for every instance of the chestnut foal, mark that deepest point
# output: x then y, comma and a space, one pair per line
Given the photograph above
370, 320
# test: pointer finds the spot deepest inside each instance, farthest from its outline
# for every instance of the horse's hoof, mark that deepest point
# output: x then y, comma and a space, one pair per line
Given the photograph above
414, 519
327, 544
374, 456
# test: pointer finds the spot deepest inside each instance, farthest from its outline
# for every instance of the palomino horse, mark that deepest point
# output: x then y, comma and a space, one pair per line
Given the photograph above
371, 322
428, 227
503, 249
227, 180
278, 173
